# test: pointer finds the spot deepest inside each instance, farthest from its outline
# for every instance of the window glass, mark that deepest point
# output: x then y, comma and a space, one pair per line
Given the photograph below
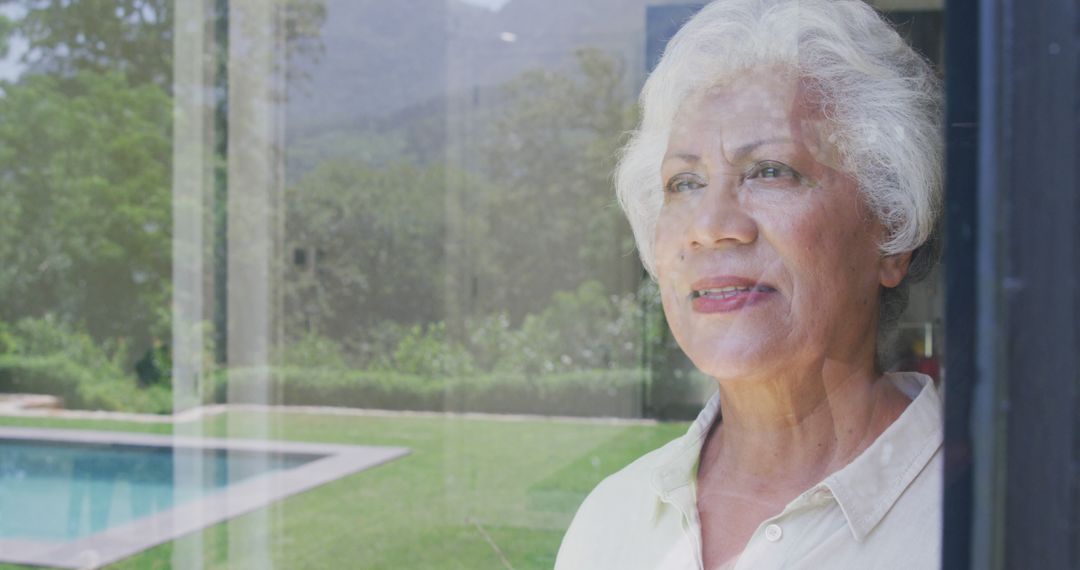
325, 283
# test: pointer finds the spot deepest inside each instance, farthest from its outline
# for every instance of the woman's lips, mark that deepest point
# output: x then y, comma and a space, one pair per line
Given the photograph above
728, 293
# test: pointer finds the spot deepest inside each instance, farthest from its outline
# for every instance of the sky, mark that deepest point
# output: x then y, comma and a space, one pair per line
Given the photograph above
9, 66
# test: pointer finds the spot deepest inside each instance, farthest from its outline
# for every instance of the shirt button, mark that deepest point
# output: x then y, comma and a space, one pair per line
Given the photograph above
773, 532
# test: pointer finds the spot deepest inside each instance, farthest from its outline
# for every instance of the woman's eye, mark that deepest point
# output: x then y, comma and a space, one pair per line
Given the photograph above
684, 183
772, 170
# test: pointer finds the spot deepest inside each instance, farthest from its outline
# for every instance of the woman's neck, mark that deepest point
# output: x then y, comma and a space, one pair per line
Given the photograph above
790, 431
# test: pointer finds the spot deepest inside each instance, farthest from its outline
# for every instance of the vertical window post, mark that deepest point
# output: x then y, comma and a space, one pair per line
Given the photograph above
255, 193
1013, 263
194, 69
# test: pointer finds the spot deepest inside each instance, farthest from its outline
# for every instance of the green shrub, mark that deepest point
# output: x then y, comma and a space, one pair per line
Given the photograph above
155, 366
79, 387
581, 393
382, 389
426, 351
600, 393
312, 351
493, 343
49, 356
7, 339
584, 329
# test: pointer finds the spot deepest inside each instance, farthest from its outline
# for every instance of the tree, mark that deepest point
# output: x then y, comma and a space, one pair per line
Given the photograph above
365, 245
85, 158
554, 220
67, 36
85, 200
133, 37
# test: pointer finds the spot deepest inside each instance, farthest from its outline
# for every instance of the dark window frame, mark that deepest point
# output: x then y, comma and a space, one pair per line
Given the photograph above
1013, 265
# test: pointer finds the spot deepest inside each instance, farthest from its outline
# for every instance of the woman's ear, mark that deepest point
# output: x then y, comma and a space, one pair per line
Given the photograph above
893, 268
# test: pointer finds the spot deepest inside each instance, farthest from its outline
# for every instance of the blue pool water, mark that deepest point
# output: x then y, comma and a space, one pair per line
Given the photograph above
65, 490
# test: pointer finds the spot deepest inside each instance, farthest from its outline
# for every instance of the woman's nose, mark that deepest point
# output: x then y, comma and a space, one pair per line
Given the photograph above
721, 218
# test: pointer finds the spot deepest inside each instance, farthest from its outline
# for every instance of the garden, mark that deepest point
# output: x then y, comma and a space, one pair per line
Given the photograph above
412, 273
473, 493
404, 281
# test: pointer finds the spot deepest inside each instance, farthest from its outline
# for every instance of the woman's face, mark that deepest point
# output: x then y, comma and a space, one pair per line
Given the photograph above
766, 256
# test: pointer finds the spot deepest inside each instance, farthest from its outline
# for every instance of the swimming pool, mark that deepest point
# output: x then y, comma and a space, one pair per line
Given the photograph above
76, 498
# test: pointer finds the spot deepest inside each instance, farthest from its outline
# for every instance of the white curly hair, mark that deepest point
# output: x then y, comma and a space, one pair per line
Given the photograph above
882, 101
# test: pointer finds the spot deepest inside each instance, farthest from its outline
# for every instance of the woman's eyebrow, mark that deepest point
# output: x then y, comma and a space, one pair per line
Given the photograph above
687, 157
740, 152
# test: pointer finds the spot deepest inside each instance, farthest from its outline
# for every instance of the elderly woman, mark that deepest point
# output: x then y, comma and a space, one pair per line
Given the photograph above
783, 188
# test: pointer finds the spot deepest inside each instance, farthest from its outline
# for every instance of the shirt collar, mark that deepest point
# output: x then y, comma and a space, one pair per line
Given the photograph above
865, 489
676, 467
872, 483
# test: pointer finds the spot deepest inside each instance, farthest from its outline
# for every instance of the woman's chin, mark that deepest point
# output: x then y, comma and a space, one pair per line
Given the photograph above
734, 361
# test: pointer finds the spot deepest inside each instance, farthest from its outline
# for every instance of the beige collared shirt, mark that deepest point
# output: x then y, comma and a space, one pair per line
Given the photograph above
881, 511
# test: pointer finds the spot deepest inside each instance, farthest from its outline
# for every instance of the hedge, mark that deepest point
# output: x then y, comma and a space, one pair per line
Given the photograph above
79, 387
601, 393
608, 393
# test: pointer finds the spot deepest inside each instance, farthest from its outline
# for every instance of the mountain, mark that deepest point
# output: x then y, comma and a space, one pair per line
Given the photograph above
383, 56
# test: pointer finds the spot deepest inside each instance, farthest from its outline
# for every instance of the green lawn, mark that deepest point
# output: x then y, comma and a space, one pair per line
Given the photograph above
517, 482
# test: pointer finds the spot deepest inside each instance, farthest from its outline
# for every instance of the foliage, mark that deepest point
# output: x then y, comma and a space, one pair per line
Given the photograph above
493, 343
580, 356
132, 37
367, 246
554, 363
524, 206
385, 255
585, 329
48, 356
312, 352
49, 336
550, 157
426, 351
594, 330
155, 365
615, 393
85, 156
6, 27
85, 162
7, 338
80, 388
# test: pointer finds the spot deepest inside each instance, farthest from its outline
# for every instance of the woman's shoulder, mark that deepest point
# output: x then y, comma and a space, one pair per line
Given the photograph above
628, 486
620, 512
641, 476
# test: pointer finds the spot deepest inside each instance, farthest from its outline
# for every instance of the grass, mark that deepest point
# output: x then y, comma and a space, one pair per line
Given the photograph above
473, 492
